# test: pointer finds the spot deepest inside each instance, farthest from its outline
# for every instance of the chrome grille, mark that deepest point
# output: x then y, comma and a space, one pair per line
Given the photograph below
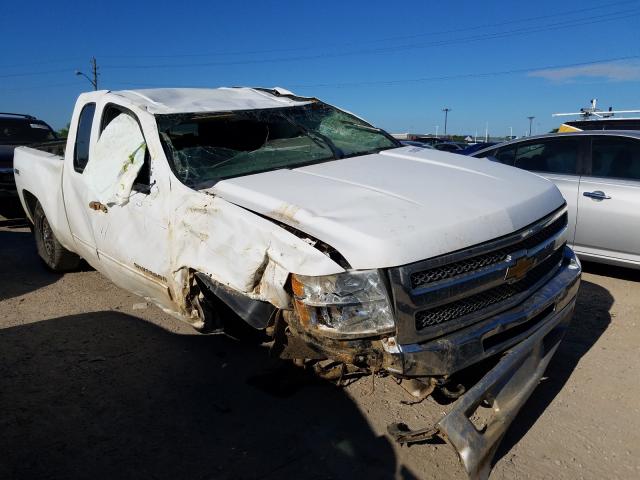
418, 279
437, 296
480, 301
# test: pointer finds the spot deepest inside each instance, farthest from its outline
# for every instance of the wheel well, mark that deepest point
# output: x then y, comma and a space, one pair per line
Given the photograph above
30, 201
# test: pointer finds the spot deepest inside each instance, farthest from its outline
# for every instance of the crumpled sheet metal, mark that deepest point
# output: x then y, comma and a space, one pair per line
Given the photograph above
240, 249
116, 160
191, 100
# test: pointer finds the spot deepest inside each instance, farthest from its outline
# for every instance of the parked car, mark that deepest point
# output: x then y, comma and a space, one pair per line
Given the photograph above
426, 140
598, 173
15, 130
320, 231
412, 143
476, 147
452, 147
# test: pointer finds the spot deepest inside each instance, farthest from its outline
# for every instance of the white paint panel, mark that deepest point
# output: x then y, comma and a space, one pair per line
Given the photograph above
41, 174
398, 206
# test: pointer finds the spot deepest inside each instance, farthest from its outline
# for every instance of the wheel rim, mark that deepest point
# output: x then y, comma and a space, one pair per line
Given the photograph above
47, 238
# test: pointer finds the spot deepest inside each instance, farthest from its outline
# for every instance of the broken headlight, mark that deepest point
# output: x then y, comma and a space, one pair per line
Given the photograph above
350, 304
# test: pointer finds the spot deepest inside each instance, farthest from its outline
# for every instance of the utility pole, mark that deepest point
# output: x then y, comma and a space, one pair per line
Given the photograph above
446, 111
530, 123
510, 133
94, 73
437, 130
486, 132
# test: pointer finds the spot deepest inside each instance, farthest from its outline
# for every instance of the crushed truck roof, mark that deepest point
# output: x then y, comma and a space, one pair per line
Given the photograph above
224, 99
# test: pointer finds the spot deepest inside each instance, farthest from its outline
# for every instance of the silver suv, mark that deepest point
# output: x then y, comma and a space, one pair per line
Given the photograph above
598, 173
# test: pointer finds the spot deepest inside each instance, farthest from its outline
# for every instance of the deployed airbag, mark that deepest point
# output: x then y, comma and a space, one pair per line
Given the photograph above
116, 160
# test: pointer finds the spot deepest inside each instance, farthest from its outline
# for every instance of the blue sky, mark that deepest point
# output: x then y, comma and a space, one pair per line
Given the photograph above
395, 64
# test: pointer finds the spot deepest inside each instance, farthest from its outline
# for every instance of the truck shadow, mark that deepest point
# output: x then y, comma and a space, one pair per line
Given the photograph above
12, 209
590, 320
22, 271
622, 273
106, 395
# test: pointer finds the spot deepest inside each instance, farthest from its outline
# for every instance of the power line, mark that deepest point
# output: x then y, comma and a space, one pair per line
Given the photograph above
94, 73
381, 39
446, 111
369, 83
561, 25
403, 81
48, 61
489, 36
464, 75
38, 87
35, 74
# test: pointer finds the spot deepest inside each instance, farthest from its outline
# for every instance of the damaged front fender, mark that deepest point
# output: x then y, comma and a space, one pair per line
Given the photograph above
244, 259
256, 313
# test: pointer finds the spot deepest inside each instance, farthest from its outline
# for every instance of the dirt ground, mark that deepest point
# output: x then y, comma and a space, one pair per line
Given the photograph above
96, 384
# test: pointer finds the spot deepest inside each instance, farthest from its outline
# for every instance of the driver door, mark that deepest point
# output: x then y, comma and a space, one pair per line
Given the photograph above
129, 220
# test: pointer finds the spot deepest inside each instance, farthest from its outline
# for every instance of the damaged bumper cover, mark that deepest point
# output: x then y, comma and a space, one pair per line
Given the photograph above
506, 387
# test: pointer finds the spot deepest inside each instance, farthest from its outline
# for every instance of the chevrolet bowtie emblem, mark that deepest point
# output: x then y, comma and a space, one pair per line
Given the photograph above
520, 269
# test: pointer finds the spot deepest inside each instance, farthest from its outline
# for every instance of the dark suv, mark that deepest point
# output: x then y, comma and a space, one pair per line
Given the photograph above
16, 130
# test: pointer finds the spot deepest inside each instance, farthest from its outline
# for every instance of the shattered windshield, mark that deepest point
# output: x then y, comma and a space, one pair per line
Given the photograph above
207, 147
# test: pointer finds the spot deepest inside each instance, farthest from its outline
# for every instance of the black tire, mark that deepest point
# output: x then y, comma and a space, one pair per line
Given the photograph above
53, 254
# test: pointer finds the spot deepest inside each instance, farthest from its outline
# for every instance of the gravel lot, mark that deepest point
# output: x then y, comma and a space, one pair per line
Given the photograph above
96, 384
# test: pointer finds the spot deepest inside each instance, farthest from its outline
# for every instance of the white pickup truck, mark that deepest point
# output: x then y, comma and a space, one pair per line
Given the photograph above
304, 222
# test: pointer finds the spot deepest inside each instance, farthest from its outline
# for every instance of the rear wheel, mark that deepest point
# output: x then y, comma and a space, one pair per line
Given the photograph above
53, 254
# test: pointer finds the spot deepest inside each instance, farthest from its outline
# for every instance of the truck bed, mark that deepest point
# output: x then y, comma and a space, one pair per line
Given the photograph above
38, 174
56, 147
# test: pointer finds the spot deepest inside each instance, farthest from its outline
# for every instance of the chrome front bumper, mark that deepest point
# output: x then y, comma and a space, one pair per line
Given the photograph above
505, 389
455, 351
502, 392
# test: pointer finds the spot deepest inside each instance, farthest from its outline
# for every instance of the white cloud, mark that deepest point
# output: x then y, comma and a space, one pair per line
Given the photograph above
609, 71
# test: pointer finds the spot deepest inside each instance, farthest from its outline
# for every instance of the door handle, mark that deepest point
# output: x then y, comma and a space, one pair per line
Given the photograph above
97, 206
597, 195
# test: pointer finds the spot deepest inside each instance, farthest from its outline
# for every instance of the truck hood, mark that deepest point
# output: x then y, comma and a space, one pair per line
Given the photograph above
397, 206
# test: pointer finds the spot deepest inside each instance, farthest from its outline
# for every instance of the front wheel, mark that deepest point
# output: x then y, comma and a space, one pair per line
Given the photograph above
53, 254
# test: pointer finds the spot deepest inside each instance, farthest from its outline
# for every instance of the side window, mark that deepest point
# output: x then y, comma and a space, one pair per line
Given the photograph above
552, 156
615, 157
503, 155
506, 155
83, 137
489, 154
